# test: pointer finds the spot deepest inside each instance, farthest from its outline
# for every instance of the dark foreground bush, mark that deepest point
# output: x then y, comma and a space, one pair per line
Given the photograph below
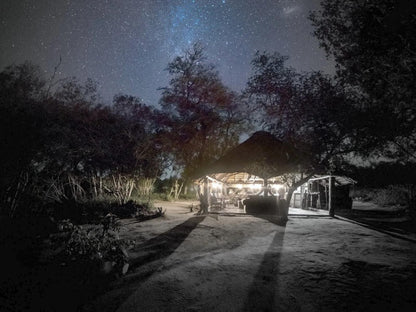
93, 211
50, 268
129, 210
98, 245
55, 264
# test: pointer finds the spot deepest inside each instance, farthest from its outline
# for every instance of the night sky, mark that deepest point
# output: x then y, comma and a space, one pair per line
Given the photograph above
125, 45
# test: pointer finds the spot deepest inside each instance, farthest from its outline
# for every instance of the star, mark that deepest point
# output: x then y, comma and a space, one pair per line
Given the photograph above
126, 45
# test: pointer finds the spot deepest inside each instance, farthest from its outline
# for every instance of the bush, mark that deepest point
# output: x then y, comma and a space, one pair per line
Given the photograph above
388, 196
161, 196
392, 195
94, 211
96, 245
189, 196
128, 210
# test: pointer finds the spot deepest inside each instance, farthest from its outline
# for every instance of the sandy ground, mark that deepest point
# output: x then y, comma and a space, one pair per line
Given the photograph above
184, 262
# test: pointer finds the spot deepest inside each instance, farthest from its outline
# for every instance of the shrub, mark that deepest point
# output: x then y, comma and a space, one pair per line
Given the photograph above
94, 211
129, 209
388, 196
96, 245
189, 196
161, 196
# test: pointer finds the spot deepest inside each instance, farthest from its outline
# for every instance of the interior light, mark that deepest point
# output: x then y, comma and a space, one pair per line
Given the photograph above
255, 186
277, 186
216, 185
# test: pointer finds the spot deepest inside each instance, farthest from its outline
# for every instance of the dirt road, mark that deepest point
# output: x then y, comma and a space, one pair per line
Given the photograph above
185, 262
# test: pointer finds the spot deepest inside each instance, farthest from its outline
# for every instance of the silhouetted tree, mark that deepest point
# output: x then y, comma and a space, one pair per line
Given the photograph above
205, 115
141, 136
307, 110
373, 44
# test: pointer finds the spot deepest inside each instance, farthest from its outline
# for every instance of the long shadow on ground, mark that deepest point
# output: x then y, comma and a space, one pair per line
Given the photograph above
309, 216
278, 220
377, 226
151, 253
261, 295
165, 244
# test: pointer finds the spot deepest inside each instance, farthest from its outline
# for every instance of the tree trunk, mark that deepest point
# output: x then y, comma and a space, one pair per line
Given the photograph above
292, 188
176, 190
204, 197
288, 199
331, 206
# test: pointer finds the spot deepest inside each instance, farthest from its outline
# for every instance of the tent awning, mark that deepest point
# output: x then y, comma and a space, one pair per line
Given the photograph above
339, 180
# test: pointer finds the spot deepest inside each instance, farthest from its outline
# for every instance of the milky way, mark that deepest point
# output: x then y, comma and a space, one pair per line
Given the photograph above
125, 45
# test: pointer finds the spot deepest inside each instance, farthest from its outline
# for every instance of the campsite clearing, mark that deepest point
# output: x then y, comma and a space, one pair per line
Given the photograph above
233, 262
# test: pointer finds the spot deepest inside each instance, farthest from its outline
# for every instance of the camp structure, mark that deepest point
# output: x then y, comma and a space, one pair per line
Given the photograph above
248, 176
326, 192
251, 179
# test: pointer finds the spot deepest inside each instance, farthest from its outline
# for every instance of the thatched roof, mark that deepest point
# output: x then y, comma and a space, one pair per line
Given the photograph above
262, 155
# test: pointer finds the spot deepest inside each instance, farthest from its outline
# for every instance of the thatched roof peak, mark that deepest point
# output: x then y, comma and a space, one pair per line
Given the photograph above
263, 135
262, 155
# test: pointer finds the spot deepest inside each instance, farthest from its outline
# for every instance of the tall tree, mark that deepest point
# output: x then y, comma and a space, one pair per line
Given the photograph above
205, 119
140, 137
374, 46
305, 109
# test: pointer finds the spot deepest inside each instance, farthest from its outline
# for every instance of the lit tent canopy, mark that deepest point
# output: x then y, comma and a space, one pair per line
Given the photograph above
251, 171
262, 166
262, 155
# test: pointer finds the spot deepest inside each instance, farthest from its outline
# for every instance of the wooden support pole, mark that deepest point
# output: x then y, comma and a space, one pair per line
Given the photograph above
209, 200
331, 207
265, 189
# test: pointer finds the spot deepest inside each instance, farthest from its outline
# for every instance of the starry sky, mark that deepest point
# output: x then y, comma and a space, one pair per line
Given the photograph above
125, 45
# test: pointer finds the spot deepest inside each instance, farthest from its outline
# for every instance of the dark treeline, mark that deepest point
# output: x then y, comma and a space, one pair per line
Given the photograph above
60, 146
382, 174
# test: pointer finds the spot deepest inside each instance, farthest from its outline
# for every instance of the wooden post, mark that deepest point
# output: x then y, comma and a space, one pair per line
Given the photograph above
265, 190
331, 207
209, 200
